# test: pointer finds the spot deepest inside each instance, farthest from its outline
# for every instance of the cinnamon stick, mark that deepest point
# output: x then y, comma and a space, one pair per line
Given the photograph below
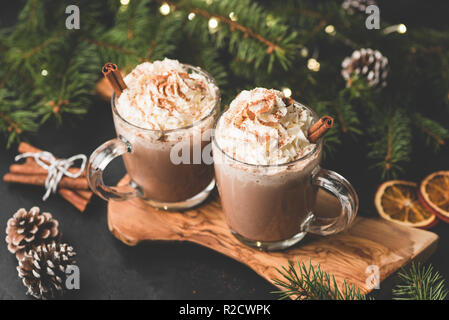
111, 72
74, 198
84, 193
32, 168
320, 128
26, 147
39, 180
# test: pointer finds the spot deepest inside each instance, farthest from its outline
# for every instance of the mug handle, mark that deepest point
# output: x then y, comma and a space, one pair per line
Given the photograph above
344, 192
99, 160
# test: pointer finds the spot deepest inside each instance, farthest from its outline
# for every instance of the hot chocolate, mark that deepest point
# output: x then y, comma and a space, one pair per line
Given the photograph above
177, 108
165, 106
264, 199
266, 167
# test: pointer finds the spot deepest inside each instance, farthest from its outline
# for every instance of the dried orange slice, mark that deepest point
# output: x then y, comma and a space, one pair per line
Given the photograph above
434, 194
397, 201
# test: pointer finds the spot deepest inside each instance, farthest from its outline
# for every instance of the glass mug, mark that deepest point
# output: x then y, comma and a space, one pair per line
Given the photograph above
270, 207
147, 157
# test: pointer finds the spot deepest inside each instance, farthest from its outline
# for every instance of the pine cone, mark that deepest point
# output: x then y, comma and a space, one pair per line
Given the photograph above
352, 6
43, 269
367, 63
27, 229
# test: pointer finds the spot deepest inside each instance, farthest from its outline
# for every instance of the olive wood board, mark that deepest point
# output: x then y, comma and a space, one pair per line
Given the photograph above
347, 255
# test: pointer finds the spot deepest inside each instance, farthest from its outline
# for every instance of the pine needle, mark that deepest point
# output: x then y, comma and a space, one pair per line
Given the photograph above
306, 282
420, 283
392, 146
312, 284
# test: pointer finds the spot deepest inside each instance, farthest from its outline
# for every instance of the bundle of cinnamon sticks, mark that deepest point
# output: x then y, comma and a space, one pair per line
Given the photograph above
74, 190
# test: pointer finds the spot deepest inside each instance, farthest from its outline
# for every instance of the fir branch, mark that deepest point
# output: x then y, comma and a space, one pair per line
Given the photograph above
69, 90
11, 124
33, 4
340, 119
332, 142
42, 46
420, 283
167, 35
19, 74
312, 284
301, 282
131, 18
136, 38
15, 65
346, 117
234, 25
435, 133
271, 46
6, 78
15, 118
205, 56
320, 26
389, 144
394, 146
104, 44
28, 20
333, 137
250, 38
310, 13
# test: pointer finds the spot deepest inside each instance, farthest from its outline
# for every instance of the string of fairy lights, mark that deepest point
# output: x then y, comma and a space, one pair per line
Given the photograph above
213, 24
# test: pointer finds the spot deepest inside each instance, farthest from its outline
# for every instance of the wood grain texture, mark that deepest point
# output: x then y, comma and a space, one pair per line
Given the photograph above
346, 255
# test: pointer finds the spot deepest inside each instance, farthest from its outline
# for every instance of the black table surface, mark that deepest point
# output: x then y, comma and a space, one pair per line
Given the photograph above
160, 270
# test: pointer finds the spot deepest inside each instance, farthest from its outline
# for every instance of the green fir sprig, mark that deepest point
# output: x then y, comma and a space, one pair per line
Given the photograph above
306, 282
420, 283
310, 283
392, 143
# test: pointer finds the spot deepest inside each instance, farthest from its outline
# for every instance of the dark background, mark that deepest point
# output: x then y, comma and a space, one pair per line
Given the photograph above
176, 270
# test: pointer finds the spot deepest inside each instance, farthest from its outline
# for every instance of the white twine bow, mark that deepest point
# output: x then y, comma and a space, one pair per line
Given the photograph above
56, 168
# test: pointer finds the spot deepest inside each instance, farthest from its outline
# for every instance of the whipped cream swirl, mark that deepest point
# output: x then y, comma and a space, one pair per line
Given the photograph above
263, 127
163, 96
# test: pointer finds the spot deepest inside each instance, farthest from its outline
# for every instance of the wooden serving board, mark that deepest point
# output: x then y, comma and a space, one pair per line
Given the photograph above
345, 255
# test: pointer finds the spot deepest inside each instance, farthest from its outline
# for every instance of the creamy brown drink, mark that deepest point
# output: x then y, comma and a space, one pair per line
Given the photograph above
162, 96
167, 109
265, 166
262, 128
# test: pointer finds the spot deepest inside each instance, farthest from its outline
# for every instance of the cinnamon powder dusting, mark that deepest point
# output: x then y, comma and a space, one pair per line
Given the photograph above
162, 95
262, 126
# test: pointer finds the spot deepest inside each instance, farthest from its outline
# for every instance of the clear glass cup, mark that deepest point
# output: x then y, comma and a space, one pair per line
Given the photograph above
155, 177
270, 207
